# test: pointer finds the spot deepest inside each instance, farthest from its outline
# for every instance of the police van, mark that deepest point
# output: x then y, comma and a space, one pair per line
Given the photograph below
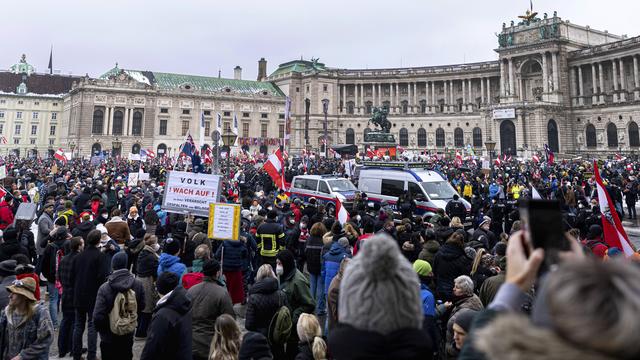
327, 189
386, 181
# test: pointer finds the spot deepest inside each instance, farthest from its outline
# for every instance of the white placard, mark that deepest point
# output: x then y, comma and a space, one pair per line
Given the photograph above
3, 171
485, 164
504, 114
191, 192
133, 179
134, 157
143, 176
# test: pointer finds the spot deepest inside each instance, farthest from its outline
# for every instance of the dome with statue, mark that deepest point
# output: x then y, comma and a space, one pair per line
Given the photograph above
22, 67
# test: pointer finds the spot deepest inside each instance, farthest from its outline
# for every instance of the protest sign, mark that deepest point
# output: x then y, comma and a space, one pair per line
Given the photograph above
143, 176
133, 179
3, 171
224, 221
134, 157
187, 192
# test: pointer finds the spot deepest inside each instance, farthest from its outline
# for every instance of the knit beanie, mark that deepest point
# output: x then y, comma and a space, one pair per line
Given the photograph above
119, 261
167, 281
380, 290
465, 318
254, 347
171, 246
422, 268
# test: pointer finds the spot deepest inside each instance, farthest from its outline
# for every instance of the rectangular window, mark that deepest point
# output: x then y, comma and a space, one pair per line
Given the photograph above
207, 128
20, 102
281, 131
281, 116
3, 101
34, 129
52, 130
35, 115
245, 129
186, 112
32, 141
18, 129
55, 104
185, 128
226, 126
263, 130
297, 89
19, 115
36, 103
1, 128
54, 116
52, 141
207, 113
324, 88
16, 141
226, 113
163, 127
392, 187
245, 114
164, 111
1, 114
264, 116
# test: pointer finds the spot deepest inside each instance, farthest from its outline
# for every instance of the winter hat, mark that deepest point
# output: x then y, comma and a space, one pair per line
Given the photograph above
287, 260
254, 347
614, 251
344, 242
470, 252
381, 273
8, 267
595, 231
119, 261
464, 318
167, 281
10, 234
485, 219
210, 267
500, 249
422, 268
171, 246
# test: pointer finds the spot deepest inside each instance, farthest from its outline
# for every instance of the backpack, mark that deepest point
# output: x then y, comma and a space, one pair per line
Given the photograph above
123, 318
280, 325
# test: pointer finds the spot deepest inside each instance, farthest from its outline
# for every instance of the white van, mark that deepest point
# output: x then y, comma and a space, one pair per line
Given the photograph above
386, 181
327, 189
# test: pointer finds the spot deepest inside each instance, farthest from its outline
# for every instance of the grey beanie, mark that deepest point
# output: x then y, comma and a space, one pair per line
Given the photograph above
380, 292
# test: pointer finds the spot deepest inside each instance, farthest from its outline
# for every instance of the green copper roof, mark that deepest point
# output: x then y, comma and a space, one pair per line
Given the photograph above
299, 66
169, 81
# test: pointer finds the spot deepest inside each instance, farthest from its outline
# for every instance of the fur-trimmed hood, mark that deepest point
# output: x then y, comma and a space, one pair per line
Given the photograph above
511, 337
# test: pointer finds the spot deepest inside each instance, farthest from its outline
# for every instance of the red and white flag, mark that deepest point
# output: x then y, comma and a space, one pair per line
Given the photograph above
535, 158
274, 167
341, 213
613, 232
60, 155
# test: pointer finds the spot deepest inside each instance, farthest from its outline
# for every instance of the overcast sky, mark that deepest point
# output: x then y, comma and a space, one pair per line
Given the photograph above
200, 37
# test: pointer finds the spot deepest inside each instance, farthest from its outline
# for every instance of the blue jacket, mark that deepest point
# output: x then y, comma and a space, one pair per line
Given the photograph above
162, 215
331, 263
428, 301
494, 189
235, 253
171, 263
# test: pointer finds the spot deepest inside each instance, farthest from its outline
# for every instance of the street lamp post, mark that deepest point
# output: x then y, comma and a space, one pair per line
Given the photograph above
307, 104
491, 145
325, 110
215, 138
72, 146
229, 138
116, 144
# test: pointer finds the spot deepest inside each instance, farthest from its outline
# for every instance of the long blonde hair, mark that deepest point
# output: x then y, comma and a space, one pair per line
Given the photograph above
309, 331
225, 344
477, 261
28, 307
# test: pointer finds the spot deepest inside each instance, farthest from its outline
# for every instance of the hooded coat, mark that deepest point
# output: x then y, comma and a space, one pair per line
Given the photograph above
171, 263
169, 335
331, 263
347, 342
263, 302
449, 263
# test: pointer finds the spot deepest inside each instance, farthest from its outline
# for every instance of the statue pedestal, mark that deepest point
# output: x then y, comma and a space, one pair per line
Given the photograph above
380, 143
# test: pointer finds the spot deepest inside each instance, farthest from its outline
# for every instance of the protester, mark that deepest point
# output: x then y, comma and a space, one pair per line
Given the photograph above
270, 239
225, 344
65, 336
265, 299
7, 277
169, 260
147, 274
234, 253
313, 254
53, 254
254, 347
312, 346
333, 295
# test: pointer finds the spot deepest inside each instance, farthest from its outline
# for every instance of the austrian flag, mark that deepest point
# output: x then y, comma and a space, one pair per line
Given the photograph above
60, 155
274, 167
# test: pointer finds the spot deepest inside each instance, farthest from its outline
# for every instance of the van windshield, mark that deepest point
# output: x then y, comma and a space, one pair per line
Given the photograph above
438, 190
341, 185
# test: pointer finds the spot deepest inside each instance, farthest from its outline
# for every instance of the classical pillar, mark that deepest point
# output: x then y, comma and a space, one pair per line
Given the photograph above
601, 76
390, 97
397, 94
511, 78
636, 79
502, 79
426, 93
464, 93
409, 109
580, 87
545, 74
433, 93
488, 99
379, 94
471, 99
614, 73
415, 94
105, 121
482, 98
623, 86
362, 96
451, 100
556, 78
110, 123
344, 98
573, 78
355, 98
446, 94
127, 121
594, 83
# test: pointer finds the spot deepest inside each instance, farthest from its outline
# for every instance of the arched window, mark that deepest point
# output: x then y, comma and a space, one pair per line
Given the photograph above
350, 107
368, 107
136, 125
423, 106
98, 122
404, 137
477, 137
135, 149
591, 136
162, 150
612, 135
118, 117
552, 136
440, 137
422, 137
458, 137
634, 138
405, 106
96, 149
350, 136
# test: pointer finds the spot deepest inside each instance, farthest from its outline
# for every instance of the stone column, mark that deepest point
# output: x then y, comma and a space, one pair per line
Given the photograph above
344, 98
502, 79
556, 78
471, 99
127, 120
482, 98
433, 93
415, 94
636, 78
511, 78
614, 73
594, 83
110, 123
572, 81
623, 86
488, 99
602, 89
379, 94
451, 99
426, 93
409, 109
362, 96
397, 94
580, 87
446, 96
105, 121
390, 97
464, 94
545, 74
355, 99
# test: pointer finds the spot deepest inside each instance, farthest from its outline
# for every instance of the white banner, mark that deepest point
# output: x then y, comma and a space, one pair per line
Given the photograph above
504, 114
134, 157
3, 171
133, 179
191, 192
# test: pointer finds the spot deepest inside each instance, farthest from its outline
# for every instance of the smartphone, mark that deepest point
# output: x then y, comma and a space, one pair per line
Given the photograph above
542, 223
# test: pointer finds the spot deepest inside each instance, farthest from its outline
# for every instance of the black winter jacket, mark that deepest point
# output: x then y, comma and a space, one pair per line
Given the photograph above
10, 248
235, 254
313, 253
147, 264
48, 259
89, 272
169, 335
264, 301
119, 281
83, 229
449, 263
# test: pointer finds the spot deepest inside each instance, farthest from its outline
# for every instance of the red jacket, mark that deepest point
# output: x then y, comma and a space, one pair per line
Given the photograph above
597, 247
191, 279
6, 215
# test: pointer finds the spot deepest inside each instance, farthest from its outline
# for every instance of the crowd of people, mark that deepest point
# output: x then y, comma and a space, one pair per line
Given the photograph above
100, 256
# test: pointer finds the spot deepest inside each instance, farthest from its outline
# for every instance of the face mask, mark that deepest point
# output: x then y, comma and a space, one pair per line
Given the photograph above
155, 247
279, 270
104, 216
